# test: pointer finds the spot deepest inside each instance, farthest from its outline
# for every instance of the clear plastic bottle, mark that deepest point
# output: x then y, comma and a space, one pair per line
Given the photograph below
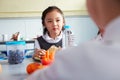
68, 37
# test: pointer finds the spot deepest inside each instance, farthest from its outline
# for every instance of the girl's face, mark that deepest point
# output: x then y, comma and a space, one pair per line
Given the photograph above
54, 23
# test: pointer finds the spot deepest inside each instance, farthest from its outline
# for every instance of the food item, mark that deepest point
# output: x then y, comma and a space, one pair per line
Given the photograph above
48, 58
15, 51
46, 61
0, 68
15, 57
33, 67
36, 58
49, 54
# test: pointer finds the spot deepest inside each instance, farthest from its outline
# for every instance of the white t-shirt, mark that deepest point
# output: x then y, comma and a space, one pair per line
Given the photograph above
98, 37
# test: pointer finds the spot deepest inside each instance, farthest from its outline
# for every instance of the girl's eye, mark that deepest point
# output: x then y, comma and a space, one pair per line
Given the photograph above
49, 21
58, 20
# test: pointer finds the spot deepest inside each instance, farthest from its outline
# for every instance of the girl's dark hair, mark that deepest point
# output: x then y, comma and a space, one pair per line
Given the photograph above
98, 32
47, 10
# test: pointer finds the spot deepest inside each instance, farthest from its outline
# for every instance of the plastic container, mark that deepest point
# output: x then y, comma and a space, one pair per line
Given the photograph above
68, 37
15, 51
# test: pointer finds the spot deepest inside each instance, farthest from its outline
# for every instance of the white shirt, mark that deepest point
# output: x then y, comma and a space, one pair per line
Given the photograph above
93, 60
47, 38
98, 37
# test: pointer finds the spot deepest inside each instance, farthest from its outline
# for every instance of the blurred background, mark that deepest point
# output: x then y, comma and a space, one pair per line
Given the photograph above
24, 16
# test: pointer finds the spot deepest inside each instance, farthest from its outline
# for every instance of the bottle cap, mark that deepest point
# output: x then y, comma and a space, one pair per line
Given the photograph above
66, 27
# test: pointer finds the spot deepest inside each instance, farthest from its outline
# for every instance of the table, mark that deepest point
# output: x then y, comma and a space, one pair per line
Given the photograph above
14, 71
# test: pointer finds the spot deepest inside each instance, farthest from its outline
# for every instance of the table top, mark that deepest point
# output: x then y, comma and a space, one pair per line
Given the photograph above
14, 71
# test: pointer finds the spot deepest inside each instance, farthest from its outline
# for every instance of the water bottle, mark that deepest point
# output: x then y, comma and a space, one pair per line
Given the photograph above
68, 37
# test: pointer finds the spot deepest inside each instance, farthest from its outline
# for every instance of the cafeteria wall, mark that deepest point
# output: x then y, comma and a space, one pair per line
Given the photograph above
82, 26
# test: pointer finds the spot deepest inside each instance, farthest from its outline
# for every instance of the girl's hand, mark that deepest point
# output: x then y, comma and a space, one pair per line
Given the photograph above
39, 53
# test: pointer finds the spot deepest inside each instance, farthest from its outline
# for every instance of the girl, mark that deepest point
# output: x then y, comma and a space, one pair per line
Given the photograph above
53, 23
